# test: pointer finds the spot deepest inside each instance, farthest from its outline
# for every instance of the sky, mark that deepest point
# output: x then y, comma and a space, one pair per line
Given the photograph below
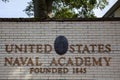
14, 9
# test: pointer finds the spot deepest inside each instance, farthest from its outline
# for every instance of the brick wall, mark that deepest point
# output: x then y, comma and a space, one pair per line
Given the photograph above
79, 32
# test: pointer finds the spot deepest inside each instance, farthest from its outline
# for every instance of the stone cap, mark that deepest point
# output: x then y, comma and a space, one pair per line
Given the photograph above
56, 20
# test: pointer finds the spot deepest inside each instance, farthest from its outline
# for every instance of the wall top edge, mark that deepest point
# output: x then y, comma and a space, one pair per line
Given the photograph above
56, 20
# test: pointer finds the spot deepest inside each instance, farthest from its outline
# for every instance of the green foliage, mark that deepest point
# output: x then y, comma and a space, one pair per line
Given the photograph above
65, 13
77, 8
29, 9
71, 8
74, 8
